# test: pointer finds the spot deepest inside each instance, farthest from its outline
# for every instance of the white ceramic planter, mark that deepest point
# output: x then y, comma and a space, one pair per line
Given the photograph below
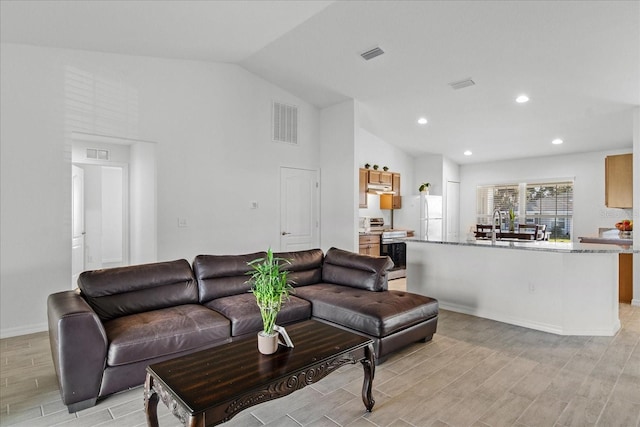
267, 344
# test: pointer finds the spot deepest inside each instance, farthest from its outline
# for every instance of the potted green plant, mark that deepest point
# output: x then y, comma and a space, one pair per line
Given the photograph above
271, 287
424, 187
375, 167
512, 220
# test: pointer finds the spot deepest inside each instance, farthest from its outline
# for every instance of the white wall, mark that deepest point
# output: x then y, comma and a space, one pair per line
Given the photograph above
587, 170
437, 170
429, 168
339, 178
211, 123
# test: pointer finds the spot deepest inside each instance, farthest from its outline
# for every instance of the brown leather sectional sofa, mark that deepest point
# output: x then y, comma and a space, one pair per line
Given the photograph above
122, 319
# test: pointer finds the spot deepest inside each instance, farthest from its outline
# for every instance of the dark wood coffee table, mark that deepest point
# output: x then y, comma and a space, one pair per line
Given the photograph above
211, 386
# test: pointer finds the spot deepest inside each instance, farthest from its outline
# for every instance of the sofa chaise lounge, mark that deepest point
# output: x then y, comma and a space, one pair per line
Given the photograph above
120, 320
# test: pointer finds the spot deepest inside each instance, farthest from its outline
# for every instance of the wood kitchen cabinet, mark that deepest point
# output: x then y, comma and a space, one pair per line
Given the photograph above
619, 181
380, 177
395, 187
370, 245
625, 278
362, 189
367, 176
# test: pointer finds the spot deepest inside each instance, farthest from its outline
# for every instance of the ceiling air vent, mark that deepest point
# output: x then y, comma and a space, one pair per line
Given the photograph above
370, 54
285, 123
462, 83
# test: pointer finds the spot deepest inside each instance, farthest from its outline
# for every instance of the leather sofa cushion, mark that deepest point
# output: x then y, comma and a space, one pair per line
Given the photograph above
163, 332
355, 270
305, 267
223, 275
121, 291
377, 314
245, 317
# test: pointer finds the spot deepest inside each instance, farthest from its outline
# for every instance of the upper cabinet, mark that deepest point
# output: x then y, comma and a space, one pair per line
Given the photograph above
362, 192
397, 200
619, 181
380, 177
368, 176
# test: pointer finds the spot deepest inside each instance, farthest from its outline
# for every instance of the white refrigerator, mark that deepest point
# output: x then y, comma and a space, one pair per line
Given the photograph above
431, 224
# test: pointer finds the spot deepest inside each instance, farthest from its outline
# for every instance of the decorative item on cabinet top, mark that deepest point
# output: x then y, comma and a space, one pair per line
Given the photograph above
424, 187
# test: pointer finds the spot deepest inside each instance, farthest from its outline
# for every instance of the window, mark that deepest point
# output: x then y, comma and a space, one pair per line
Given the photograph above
549, 204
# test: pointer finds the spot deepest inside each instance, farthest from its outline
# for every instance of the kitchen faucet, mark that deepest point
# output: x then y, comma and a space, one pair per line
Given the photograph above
493, 228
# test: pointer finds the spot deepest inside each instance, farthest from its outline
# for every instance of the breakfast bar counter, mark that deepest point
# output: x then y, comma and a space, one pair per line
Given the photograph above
563, 288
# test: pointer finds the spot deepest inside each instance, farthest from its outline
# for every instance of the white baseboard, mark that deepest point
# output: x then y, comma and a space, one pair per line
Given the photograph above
23, 330
544, 327
635, 302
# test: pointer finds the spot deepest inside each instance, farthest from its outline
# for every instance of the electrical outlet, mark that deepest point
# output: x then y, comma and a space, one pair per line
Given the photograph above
532, 288
253, 204
182, 222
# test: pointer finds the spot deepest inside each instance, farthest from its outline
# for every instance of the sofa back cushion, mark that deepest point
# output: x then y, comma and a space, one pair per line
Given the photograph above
121, 291
355, 270
223, 275
306, 266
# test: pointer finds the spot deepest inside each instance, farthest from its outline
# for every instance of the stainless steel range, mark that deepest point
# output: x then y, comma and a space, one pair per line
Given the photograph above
396, 250
390, 235
390, 246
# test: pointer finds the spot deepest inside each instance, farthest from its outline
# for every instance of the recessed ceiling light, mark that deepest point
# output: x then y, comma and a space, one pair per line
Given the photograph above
522, 99
557, 141
468, 153
422, 121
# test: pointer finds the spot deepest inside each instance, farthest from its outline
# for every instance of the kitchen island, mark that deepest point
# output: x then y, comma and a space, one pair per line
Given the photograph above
563, 288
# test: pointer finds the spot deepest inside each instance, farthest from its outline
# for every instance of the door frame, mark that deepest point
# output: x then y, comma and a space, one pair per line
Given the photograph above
77, 240
452, 207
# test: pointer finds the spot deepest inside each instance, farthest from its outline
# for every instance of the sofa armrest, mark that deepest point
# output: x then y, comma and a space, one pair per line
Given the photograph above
78, 346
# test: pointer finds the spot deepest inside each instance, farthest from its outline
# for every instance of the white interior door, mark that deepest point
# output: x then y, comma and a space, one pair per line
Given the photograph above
453, 211
299, 209
77, 223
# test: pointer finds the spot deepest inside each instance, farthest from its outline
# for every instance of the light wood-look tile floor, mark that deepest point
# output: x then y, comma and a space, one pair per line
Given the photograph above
475, 372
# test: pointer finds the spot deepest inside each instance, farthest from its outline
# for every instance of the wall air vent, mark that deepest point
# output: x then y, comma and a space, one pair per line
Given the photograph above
462, 83
96, 154
285, 123
370, 54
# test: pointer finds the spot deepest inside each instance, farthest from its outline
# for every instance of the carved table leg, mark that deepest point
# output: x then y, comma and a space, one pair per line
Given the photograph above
369, 366
150, 402
195, 422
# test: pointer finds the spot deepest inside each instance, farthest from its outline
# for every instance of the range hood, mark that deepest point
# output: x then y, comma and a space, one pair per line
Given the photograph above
379, 189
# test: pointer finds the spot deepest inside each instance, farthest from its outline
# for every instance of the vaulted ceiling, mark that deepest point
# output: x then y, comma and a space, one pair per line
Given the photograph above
578, 61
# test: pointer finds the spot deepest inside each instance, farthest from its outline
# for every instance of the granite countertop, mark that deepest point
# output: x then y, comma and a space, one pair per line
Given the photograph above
536, 245
608, 237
